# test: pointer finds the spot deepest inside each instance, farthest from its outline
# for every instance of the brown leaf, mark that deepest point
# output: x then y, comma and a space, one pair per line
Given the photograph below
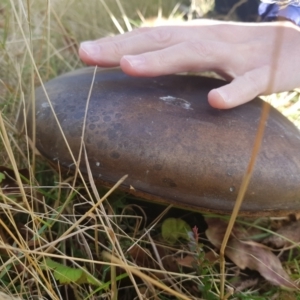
245, 284
211, 257
188, 261
257, 257
248, 254
287, 236
142, 257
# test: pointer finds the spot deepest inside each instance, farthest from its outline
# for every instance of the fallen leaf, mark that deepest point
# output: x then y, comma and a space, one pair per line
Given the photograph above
248, 254
65, 274
2, 176
188, 261
142, 257
173, 229
257, 257
211, 257
245, 284
286, 236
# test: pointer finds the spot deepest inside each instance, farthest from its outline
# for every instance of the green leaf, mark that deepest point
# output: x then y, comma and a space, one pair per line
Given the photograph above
66, 275
173, 229
2, 176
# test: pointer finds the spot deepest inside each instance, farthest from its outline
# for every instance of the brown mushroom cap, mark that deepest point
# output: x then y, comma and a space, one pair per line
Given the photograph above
174, 147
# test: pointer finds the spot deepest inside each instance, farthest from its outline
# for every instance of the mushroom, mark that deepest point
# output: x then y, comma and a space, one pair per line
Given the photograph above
174, 147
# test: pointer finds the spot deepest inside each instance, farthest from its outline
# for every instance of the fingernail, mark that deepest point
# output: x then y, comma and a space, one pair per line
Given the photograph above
135, 61
90, 48
223, 95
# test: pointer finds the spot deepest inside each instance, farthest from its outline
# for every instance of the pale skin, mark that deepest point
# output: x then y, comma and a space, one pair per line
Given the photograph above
257, 59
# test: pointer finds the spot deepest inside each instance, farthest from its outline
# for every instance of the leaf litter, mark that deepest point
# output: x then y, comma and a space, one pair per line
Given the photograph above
249, 254
241, 249
286, 236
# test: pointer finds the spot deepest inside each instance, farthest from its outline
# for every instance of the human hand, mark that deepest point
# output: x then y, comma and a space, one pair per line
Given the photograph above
259, 58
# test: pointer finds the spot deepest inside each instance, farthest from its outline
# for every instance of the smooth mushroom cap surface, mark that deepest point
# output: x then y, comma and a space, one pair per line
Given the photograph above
174, 147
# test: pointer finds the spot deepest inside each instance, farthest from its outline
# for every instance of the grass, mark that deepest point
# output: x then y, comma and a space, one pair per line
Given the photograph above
61, 240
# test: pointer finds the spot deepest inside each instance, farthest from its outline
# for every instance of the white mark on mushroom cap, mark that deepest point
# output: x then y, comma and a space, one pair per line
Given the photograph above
45, 105
97, 164
176, 102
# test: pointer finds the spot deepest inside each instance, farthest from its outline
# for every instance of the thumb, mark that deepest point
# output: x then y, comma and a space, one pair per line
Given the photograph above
241, 90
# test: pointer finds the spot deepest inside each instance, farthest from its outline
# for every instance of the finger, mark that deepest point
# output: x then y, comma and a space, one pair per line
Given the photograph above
125, 35
241, 90
90, 51
108, 52
187, 56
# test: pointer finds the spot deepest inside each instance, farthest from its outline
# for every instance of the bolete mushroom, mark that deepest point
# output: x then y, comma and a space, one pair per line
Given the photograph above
174, 147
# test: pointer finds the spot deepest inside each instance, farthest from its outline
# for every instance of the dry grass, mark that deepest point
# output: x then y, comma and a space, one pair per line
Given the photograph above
49, 217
